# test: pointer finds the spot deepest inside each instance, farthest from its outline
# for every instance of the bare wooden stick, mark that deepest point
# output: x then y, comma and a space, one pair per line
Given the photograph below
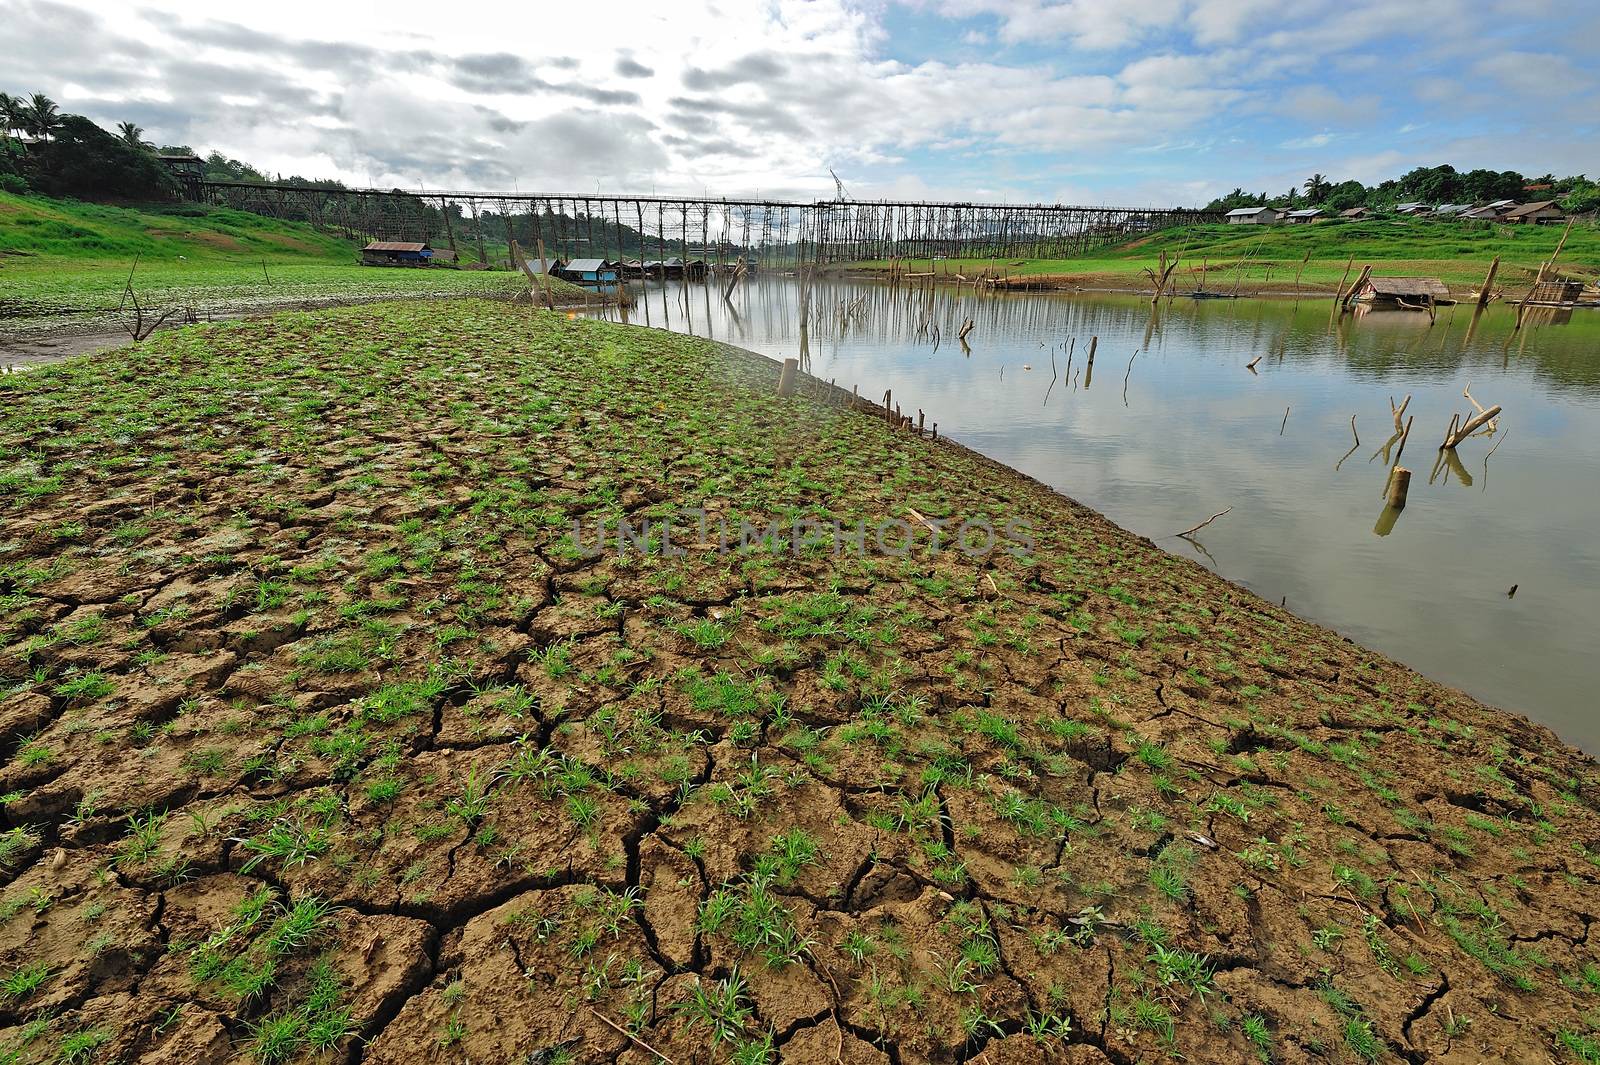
1353, 431
1125, 375
1467, 394
1338, 299
629, 1036
1190, 531
786, 376
1251, 365
1285, 421
1400, 411
1404, 436
1472, 426
1488, 282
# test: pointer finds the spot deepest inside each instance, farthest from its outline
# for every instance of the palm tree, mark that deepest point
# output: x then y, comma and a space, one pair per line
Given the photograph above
10, 115
132, 134
1317, 186
43, 117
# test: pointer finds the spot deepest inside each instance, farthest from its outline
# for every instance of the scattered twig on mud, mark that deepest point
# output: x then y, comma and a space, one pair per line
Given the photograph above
614, 1026
127, 286
1189, 532
139, 331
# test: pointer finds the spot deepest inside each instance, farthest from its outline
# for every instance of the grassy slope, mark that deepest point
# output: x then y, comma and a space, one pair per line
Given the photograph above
63, 264
1457, 253
304, 584
62, 231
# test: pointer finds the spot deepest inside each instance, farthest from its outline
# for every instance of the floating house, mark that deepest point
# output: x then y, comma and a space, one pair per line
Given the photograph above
1252, 216
586, 271
1305, 217
1542, 211
1403, 291
688, 270
397, 253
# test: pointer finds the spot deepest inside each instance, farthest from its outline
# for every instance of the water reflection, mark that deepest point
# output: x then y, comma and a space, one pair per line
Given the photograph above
1189, 430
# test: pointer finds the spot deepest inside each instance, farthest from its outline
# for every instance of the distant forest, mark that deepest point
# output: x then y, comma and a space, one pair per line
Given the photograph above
1431, 185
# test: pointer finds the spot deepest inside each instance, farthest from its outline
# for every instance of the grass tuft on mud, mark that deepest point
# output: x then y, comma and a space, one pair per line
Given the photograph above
323, 737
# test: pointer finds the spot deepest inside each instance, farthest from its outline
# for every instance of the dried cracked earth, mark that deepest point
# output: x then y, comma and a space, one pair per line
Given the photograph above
324, 741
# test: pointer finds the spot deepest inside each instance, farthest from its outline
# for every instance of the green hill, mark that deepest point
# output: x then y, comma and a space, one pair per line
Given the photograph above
1266, 258
1454, 248
33, 226
64, 265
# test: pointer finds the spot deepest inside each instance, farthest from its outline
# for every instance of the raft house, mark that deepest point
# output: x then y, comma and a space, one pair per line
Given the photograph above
1409, 293
586, 271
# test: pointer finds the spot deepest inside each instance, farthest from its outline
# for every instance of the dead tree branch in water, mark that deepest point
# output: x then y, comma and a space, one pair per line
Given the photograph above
1187, 533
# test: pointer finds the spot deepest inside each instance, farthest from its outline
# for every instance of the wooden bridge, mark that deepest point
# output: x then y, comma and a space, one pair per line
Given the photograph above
765, 233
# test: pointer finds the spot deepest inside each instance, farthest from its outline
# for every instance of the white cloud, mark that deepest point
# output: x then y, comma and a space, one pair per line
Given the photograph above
1123, 96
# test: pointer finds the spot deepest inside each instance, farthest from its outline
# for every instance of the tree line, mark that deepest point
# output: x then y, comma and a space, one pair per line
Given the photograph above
69, 155
1432, 185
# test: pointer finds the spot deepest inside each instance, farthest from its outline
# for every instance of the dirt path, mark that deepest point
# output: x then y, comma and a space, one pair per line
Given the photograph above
324, 741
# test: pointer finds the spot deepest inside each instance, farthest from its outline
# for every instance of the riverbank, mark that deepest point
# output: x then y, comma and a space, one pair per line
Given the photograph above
66, 269
1287, 260
298, 647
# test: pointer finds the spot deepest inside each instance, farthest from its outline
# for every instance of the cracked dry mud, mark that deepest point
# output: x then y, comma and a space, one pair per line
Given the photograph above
323, 743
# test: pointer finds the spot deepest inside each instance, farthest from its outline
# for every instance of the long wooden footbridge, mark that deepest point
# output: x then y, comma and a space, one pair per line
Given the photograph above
773, 233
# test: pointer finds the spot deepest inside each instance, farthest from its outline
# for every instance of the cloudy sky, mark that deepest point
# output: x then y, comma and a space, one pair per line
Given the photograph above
1126, 102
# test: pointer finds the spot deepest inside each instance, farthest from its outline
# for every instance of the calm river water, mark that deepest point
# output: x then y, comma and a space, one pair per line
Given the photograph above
1197, 432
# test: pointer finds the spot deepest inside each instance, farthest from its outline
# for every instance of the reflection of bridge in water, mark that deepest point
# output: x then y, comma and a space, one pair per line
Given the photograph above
719, 231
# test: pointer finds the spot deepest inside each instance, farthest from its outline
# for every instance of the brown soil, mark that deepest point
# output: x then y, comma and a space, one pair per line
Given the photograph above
290, 629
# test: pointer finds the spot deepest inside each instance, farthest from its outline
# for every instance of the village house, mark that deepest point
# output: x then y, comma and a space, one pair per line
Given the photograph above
1412, 208
1252, 216
1356, 212
1305, 217
1542, 211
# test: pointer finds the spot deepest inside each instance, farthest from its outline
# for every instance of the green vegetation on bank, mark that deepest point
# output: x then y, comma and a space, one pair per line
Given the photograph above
59, 233
1457, 253
64, 264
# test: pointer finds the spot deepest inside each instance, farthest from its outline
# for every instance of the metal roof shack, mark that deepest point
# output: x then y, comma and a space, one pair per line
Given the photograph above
396, 253
1412, 208
1252, 216
1355, 212
1310, 214
1492, 211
